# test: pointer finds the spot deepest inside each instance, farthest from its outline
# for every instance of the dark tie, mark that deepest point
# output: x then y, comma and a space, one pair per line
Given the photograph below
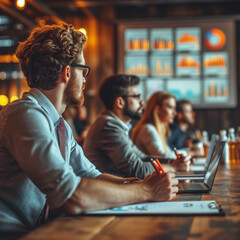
61, 136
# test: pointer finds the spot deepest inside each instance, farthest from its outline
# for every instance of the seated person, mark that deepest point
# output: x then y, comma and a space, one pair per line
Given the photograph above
108, 145
182, 133
43, 171
77, 120
151, 132
81, 123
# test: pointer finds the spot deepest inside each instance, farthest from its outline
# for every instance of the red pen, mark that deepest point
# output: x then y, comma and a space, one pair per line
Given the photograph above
157, 165
177, 154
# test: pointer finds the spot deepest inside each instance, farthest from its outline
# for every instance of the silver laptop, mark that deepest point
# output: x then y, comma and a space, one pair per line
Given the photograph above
200, 174
206, 185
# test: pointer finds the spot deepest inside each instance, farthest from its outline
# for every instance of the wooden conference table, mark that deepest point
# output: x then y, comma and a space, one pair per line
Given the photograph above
226, 191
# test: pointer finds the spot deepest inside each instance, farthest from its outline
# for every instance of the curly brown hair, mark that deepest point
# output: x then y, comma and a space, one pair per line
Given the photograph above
47, 51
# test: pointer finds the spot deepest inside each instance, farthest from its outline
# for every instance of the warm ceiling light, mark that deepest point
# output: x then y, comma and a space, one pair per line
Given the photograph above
3, 100
13, 98
83, 30
20, 4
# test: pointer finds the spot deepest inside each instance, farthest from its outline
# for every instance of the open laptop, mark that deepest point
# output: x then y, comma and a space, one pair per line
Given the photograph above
200, 171
206, 185
201, 164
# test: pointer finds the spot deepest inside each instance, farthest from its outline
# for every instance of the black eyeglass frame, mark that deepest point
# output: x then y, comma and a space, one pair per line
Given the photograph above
82, 66
133, 96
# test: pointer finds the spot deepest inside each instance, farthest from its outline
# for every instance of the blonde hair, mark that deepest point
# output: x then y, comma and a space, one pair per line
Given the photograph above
151, 116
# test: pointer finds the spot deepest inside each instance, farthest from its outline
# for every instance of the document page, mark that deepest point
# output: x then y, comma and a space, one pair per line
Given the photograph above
166, 208
197, 168
200, 161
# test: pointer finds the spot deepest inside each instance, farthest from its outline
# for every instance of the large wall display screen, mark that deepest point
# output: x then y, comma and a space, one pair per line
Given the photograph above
195, 60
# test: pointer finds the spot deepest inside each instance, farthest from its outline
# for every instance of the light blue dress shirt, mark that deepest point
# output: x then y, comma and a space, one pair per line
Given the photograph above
32, 169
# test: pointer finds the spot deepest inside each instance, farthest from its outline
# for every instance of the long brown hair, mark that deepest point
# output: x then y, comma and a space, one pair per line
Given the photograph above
150, 115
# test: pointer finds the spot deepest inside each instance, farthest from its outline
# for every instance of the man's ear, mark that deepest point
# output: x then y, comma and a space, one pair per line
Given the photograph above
120, 102
66, 74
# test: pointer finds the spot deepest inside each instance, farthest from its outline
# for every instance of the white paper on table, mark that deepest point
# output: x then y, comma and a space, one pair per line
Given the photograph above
200, 161
166, 208
197, 168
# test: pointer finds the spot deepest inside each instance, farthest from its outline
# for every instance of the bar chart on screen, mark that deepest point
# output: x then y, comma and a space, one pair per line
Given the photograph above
215, 63
161, 65
188, 39
136, 65
216, 90
162, 40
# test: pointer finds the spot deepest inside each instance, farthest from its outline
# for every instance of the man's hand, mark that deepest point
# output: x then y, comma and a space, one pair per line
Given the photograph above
108, 191
161, 187
182, 163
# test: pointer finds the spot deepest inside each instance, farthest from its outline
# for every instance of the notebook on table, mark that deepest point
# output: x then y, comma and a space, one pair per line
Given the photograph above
206, 185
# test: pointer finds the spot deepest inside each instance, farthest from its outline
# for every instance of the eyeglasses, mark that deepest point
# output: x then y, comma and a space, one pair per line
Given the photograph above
86, 68
133, 96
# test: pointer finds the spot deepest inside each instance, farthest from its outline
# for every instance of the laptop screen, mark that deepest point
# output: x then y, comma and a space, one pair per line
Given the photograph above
213, 141
215, 159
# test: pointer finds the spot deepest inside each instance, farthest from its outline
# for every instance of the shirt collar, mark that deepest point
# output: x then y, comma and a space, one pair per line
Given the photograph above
126, 126
45, 103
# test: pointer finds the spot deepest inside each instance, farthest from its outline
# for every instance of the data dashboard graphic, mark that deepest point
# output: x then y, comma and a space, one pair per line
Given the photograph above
194, 60
215, 39
137, 40
215, 63
185, 88
216, 90
188, 39
161, 65
162, 40
188, 65
152, 84
137, 65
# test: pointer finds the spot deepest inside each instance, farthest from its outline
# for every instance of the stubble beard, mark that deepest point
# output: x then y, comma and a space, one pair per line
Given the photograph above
71, 94
134, 115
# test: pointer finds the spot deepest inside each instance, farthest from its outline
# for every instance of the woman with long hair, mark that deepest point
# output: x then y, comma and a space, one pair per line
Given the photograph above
152, 131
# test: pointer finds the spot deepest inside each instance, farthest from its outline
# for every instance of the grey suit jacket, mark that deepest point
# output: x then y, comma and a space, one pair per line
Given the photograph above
110, 149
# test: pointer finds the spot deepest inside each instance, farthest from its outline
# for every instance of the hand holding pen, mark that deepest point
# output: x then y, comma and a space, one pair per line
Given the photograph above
182, 163
176, 153
157, 165
163, 185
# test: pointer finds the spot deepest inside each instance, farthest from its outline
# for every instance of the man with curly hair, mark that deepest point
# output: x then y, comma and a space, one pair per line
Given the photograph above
43, 171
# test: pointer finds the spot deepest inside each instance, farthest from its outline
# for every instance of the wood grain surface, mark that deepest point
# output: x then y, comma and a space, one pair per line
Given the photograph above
226, 191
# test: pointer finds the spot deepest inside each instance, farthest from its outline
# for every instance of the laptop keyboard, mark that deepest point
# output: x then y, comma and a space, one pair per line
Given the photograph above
193, 186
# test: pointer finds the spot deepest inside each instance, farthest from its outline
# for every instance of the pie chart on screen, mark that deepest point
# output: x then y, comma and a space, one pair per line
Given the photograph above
215, 39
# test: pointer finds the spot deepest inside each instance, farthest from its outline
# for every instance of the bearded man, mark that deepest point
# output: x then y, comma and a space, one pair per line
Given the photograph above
108, 145
43, 170
182, 133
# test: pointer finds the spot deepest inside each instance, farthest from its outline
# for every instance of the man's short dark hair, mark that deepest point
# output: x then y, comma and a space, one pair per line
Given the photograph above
116, 86
180, 103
